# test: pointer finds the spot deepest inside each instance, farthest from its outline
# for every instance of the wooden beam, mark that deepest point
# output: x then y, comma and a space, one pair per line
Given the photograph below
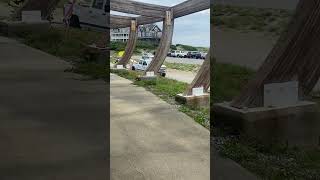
190, 7
119, 21
131, 44
294, 57
164, 46
138, 8
183, 9
202, 78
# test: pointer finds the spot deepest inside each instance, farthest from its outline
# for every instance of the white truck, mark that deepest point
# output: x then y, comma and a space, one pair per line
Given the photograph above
177, 53
90, 16
144, 62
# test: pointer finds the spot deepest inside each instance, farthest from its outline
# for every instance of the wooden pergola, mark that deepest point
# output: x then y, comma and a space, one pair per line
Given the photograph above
147, 14
296, 56
150, 13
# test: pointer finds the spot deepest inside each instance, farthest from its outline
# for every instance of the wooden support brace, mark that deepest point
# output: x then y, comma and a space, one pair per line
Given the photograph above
295, 57
165, 43
131, 44
202, 78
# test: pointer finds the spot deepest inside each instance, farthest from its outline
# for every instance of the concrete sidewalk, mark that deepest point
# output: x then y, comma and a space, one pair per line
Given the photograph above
151, 140
52, 125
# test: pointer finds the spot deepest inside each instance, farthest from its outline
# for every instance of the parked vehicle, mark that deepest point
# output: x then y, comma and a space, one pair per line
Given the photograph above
194, 55
144, 62
203, 55
93, 16
177, 53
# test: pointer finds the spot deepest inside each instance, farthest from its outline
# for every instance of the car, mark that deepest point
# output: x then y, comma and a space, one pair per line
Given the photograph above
144, 62
92, 16
194, 55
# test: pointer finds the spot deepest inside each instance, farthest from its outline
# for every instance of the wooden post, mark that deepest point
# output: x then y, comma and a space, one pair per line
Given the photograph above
165, 43
295, 57
202, 78
131, 44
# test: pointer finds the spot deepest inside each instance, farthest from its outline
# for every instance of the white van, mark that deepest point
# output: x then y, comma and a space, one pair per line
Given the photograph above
92, 16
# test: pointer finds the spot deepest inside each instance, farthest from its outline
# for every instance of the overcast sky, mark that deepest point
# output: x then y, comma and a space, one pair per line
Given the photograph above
192, 30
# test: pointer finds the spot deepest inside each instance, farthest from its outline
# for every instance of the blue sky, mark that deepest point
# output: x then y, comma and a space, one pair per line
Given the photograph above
192, 30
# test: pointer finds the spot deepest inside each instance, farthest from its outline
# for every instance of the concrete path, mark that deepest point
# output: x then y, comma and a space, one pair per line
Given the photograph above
153, 141
52, 125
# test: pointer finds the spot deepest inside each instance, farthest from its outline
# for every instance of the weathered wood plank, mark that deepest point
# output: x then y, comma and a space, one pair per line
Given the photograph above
131, 44
138, 8
295, 57
164, 46
190, 7
118, 21
183, 9
202, 78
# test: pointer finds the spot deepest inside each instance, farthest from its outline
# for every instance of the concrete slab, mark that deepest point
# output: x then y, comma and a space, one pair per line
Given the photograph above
296, 125
194, 101
52, 125
146, 78
152, 140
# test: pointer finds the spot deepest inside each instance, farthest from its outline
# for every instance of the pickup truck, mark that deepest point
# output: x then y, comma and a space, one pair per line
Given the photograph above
90, 16
144, 62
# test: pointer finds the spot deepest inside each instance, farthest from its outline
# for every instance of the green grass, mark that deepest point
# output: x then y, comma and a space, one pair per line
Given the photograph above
272, 21
71, 46
58, 43
228, 80
92, 70
182, 67
275, 162
140, 46
167, 89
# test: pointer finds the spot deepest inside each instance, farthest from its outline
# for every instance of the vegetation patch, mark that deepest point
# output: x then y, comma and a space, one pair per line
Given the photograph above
92, 70
140, 46
272, 21
167, 89
275, 161
272, 162
183, 47
70, 46
228, 81
183, 67
56, 41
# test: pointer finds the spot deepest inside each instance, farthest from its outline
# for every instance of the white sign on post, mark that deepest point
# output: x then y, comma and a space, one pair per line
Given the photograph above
281, 94
31, 16
199, 91
120, 67
150, 74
